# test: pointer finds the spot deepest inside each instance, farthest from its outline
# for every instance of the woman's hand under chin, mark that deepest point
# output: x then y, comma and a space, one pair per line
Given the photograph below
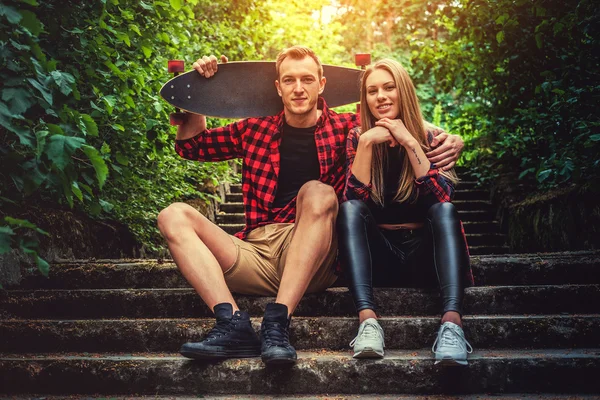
398, 130
377, 135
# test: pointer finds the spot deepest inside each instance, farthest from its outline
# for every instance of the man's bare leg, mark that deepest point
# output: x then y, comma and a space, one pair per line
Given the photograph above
316, 211
201, 250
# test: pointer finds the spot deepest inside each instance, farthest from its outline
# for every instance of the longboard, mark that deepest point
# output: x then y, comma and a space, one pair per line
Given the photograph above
247, 89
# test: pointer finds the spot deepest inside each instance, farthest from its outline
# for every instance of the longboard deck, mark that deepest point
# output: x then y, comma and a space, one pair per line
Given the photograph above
247, 89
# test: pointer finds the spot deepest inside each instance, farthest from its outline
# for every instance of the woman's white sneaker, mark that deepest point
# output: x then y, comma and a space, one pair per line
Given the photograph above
369, 342
452, 347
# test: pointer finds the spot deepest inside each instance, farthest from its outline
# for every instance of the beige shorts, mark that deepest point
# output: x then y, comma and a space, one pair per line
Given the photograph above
260, 262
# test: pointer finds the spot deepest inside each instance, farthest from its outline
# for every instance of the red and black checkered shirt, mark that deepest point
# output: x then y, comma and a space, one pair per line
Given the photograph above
431, 183
256, 141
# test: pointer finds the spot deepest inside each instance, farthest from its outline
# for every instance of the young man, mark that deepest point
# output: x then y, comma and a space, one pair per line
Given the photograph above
292, 178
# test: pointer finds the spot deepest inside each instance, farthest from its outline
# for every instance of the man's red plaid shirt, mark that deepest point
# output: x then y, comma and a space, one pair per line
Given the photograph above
256, 141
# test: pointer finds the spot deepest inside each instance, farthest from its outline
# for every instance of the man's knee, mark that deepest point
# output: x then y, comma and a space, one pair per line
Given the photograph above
318, 199
173, 219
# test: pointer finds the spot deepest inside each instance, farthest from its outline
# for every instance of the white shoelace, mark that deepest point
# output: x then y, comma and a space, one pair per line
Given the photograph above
369, 331
451, 337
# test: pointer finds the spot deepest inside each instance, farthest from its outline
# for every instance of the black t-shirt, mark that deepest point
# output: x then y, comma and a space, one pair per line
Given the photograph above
299, 162
394, 212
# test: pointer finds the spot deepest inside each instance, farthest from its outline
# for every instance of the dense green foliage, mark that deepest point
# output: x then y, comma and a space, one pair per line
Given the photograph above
519, 80
82, 125
81, 121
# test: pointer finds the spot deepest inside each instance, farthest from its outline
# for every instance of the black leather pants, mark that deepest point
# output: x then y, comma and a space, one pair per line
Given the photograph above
435, 254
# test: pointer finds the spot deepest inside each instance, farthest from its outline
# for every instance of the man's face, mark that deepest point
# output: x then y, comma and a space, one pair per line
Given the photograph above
299, 85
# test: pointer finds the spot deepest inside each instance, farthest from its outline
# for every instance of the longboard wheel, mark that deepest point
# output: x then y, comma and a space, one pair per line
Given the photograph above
176, 66
362, 59
177, 118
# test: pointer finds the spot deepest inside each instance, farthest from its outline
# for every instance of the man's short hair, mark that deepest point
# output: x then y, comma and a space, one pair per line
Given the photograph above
298, 53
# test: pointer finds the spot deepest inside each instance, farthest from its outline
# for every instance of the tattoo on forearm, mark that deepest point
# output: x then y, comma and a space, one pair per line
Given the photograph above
417, 157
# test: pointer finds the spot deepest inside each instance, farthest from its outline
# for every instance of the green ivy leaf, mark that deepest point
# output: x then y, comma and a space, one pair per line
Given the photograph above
19, 46
64, 81
113, 68
118, 127
176, 4
98, 164
60, 148
110, 103
146, 6
543, 175
89, 124
129, 101
87, 188
123, 37
6, 234
19, 99
147, 51
105, 149
106, 206
500, 37
41, 142
11, 14
21, 223
135, 29
31, 22
42, 265
76, 191
121, 159
42, 89
55, 129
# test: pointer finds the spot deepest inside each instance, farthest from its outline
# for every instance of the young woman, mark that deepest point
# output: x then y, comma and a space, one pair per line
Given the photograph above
398, 227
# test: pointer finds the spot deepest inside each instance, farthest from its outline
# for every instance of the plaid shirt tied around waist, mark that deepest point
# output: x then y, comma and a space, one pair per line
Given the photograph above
256, 141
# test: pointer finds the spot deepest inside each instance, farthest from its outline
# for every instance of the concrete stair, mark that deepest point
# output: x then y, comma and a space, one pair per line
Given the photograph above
476, 211
113, 328
110, 327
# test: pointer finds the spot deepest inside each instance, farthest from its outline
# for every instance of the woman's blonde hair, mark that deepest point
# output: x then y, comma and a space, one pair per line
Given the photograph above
410, 114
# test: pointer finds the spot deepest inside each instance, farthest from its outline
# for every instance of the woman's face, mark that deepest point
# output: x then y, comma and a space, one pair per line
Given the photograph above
382, 95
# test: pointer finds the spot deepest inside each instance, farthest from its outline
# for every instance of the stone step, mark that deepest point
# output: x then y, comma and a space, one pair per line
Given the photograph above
234, 198
518, 269
471, 194
232, 208
462, 185
488, 250
477, 215
482, 227
230, 218
473, 205
470, 227
331, 333
464, 200
468, 184
465, 216
232, 228
173, 303
413, 372
234, 212
486, 239
337, 396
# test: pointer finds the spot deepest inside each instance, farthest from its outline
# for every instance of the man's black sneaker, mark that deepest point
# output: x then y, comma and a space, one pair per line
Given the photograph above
231, 337
274, 335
